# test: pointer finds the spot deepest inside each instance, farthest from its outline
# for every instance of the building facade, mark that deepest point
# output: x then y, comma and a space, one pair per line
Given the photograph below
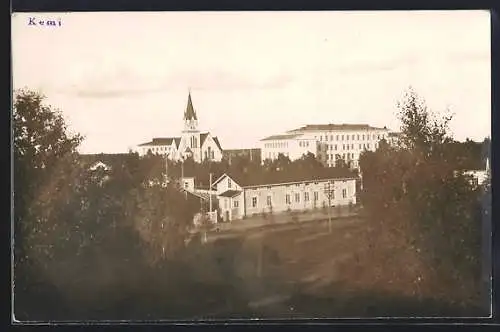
237, 200
192, 142
330, 143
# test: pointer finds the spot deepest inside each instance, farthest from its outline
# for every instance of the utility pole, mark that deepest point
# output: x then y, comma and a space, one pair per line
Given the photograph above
210, 195
166, 169
329, 191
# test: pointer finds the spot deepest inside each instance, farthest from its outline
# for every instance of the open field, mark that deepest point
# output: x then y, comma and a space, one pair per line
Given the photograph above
294, 270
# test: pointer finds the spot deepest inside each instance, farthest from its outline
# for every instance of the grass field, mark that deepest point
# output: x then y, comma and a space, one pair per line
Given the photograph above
291, 270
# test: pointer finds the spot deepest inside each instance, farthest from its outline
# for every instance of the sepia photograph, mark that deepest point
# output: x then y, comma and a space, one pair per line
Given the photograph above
233, 166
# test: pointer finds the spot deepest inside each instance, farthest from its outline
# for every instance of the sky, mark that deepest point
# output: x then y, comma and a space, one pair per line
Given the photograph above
123, 78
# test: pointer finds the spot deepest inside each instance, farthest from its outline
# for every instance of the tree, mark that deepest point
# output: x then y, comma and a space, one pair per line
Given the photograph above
44, 152
419, 200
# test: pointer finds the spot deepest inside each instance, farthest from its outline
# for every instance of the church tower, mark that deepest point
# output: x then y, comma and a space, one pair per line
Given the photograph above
190, 141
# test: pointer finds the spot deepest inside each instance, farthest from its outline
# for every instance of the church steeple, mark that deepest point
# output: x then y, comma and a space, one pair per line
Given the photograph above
190, 118
190, 114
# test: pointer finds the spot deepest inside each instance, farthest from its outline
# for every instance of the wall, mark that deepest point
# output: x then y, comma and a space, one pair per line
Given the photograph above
278, 196
209, 142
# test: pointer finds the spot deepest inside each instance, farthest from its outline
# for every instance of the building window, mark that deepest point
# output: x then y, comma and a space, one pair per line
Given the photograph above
344, 193
347, 136
368, 145
326, 137
297, 198
343, 146
316, 195
235, 204
306, 197
321, 138
360, 146
268, 200
254, 201
337, 137
363, 137
335, 147
326, 157
229, 183
358, 137
353, 137
331, 137
342, 137
347, 147
287, 199
352, 146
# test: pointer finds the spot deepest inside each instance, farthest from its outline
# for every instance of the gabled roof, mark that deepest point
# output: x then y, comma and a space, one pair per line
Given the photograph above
216, 140
280, 177
203, 137
160, 141
190, 114
282, 136
332, 126
177, 141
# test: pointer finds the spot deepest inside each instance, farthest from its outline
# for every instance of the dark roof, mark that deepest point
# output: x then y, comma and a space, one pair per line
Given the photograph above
279, 177
160, 141
282, 136
106, 158
189, 113
177, 141
216, 140
243, 151
203, 137
332, 126
230, 193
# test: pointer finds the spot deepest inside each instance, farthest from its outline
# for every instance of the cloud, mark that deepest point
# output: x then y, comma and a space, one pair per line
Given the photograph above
121, 83
363, 67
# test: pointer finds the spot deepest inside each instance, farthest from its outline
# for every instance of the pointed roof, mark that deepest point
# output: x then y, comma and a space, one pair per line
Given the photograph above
190, 114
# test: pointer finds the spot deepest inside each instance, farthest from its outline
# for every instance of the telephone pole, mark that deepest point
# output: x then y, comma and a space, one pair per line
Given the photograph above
210, 195
328, 190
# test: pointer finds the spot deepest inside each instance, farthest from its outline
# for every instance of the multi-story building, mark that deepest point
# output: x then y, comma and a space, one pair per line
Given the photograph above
241, 196
192, 142
330, 143
293, 146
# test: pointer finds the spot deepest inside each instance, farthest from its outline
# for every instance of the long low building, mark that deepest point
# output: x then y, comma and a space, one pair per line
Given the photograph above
243, 195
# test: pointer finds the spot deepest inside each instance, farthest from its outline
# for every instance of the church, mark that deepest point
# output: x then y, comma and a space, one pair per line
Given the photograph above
191, 144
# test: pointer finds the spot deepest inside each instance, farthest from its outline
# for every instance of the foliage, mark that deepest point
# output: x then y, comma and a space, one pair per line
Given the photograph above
415, 195
73, 224
43, 154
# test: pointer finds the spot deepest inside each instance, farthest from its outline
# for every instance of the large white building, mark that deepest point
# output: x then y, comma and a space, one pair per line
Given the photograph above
241, 196
192, 142
328, 142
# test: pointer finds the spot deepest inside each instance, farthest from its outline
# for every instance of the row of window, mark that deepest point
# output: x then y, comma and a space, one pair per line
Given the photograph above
276, 145
304, 144
296, 198
337, 156
352, 137
157, 149
349, 146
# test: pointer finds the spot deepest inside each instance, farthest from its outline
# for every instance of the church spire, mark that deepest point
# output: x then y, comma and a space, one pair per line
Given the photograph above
190, 114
